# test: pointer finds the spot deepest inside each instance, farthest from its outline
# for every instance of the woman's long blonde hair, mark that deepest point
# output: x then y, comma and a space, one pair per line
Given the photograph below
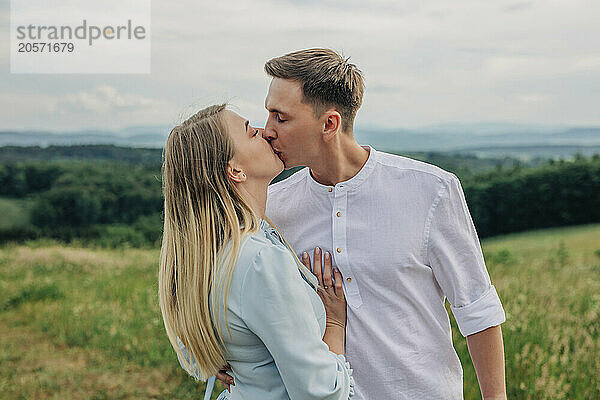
204, 212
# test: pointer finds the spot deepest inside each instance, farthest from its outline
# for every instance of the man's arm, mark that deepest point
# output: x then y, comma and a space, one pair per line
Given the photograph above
487, 352
455, 256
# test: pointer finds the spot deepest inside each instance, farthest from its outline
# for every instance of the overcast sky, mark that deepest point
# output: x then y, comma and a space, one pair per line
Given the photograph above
424, 62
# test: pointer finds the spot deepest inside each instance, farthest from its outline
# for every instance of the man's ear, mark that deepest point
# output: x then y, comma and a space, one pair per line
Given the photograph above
333, 124
236, 174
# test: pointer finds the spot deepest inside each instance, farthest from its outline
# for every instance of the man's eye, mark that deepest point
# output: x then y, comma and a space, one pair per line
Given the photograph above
278, 118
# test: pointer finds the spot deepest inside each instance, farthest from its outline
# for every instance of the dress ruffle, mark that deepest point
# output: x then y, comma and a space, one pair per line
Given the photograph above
346, 365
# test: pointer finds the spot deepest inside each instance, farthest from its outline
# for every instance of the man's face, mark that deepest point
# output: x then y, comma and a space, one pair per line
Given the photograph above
292, 129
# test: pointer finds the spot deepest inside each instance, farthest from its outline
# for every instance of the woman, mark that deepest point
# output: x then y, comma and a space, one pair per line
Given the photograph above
230, 289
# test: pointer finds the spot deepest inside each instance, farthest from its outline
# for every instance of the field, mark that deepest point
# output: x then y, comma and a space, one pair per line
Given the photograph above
549, 283
83, 323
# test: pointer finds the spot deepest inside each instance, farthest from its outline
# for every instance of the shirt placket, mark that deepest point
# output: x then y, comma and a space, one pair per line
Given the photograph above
340, 245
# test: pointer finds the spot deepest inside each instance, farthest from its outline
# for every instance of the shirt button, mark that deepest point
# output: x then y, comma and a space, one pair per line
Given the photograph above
348, 280
339, 214
338, 250
330, 189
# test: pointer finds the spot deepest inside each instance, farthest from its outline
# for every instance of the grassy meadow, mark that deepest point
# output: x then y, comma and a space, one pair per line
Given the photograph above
84, 323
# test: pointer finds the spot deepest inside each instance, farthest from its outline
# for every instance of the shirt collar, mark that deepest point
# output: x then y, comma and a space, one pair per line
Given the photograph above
351, 183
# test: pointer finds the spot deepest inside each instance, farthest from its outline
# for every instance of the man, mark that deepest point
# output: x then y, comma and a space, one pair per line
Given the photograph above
399, 231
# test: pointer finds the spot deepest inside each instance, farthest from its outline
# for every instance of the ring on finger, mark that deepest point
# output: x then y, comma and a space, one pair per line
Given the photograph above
325, 287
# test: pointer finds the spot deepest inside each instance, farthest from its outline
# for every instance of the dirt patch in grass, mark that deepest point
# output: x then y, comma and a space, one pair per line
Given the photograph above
85, 258
33, 367
58, 255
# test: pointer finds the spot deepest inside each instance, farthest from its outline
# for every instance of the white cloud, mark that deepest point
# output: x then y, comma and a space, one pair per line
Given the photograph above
105, 98
537, 99
20, 107
588, 63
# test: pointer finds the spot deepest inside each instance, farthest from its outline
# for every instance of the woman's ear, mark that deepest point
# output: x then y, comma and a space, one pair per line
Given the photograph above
235, 174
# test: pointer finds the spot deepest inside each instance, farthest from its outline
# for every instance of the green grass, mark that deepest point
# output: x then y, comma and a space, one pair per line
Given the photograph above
84, 323
97, 307
549, 284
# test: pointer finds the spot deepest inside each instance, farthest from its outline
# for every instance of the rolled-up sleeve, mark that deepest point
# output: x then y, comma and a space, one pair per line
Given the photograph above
455, 256
277, 308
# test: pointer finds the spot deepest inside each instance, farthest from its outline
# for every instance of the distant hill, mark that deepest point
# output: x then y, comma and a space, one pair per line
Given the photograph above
532, 152
137, 136
523, 144
461, 164
486, 140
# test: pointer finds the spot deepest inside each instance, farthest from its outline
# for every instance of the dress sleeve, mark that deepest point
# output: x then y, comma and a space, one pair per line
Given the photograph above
455, 256
277, 308
195, 372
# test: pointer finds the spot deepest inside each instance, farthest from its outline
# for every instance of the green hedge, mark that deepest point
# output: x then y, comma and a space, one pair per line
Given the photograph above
556, 194
75, 199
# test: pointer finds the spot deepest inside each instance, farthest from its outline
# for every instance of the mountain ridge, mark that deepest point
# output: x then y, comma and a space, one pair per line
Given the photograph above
441, 138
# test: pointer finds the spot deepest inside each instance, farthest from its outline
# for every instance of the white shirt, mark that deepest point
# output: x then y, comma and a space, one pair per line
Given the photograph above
402, 236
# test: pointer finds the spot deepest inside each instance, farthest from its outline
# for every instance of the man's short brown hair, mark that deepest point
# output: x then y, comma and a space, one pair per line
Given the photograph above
327, 81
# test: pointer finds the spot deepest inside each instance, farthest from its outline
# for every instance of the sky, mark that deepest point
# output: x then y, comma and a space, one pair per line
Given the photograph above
424, 62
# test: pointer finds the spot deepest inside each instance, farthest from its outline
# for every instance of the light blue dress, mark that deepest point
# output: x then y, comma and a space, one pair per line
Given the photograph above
277, 322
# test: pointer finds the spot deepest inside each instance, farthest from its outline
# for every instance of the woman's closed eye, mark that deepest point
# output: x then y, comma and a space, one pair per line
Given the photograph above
255, 132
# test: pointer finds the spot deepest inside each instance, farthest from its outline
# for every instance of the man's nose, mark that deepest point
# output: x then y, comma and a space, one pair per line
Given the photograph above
268, 133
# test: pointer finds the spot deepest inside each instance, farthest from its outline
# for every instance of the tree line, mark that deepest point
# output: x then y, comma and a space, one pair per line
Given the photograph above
111, 201
555, 194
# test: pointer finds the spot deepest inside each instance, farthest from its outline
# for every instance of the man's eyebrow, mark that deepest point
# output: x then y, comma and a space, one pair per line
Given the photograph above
246, 124
276, 111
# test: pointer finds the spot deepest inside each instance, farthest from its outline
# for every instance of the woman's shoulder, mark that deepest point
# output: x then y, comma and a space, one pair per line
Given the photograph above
256, 255
260, 253
260, 263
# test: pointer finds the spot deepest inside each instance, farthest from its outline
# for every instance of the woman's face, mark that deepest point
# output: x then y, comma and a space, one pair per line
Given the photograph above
253, 154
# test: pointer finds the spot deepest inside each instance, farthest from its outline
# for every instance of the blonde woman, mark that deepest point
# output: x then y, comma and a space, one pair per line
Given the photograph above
230, 288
